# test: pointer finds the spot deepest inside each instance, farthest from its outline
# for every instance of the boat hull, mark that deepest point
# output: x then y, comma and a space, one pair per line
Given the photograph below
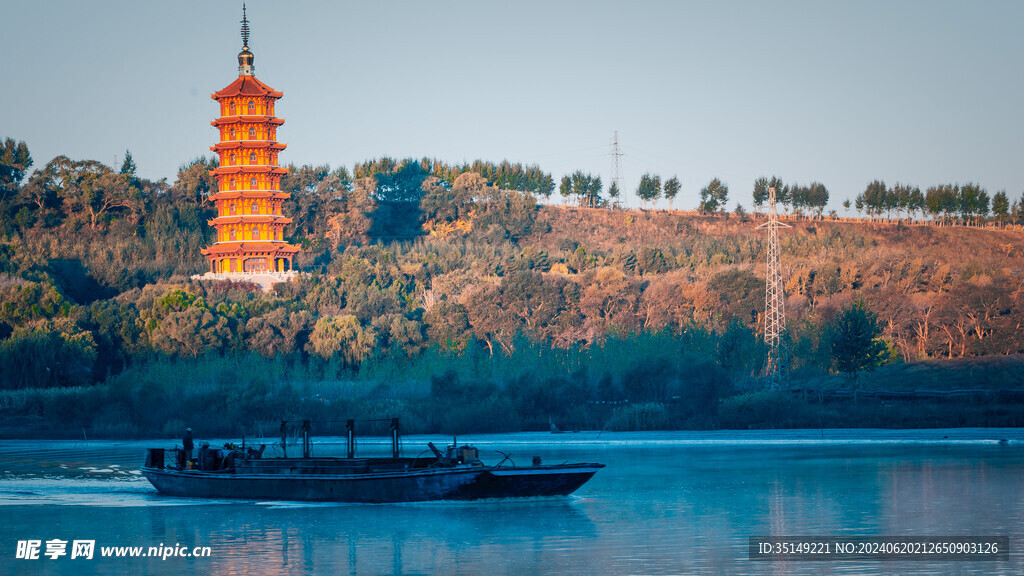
461, 483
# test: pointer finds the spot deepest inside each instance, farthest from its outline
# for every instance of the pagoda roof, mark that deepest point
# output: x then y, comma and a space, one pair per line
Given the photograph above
230, 194
248, 170
225, 120
257, 144
249, 219
243, 248
246, 85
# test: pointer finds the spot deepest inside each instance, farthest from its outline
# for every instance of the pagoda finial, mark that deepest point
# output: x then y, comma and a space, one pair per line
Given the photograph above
245, 29
245, 57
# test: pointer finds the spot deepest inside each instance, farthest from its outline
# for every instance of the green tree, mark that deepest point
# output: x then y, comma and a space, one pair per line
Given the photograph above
760, 193
671, 190
649, 188
587, 189
856, 345
614, 193
713, 196
344, 337
1001, 206
817, 198
128, 166
14, 164
46, 353
181, 324
195, 183
565, 188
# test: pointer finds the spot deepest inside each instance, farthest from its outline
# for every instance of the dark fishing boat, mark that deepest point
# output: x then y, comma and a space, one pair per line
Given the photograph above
455, 474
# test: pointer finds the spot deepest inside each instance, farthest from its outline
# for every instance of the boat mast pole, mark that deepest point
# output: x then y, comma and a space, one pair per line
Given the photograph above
394, 437
350, 430
306, 439
284, 438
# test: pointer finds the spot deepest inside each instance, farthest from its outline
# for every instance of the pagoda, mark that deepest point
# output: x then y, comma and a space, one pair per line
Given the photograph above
249, 223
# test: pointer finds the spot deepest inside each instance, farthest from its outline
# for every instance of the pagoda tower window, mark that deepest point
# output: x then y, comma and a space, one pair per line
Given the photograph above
251, 106
232, 207
252, 132
232, 157
232, 107
232, 134
232, 183
255, 208
252, 158
255, 234
232, 230
252, 183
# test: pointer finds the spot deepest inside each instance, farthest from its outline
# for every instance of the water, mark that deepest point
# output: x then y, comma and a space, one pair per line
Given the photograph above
668, 503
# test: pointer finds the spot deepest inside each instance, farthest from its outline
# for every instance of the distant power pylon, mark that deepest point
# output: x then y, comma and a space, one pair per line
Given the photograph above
617, 155
774, 299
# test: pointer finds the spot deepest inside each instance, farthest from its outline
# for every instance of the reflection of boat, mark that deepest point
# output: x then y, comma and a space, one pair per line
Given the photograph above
456, 474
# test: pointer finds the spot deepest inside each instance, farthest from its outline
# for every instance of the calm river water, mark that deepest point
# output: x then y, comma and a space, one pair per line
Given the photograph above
668, 503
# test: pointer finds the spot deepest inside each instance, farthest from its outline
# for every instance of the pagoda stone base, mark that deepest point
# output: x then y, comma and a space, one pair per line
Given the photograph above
265, 280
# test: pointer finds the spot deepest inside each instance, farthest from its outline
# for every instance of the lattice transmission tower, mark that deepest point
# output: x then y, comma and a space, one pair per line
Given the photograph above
774, 299
617, 155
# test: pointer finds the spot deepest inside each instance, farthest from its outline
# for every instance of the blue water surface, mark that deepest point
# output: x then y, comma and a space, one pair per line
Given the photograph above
668, 503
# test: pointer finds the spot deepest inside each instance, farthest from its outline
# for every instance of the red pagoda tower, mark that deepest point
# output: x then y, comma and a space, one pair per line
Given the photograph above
249, 223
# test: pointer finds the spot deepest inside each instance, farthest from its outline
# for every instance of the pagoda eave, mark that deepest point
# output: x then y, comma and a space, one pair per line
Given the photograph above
253, 219
255, 144
224, 121
249, 249
246, 85
234, 194
224, 170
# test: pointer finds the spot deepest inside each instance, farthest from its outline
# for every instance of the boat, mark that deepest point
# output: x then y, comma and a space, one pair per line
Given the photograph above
237, 472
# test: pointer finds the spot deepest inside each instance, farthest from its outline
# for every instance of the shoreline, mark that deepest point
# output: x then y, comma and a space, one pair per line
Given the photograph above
1012, 436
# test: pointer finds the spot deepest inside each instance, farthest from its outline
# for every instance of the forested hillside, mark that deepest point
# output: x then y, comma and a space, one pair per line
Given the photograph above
456, 297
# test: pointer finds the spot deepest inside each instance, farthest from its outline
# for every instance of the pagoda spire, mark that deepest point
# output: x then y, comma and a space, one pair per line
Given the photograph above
245, 57
245, 29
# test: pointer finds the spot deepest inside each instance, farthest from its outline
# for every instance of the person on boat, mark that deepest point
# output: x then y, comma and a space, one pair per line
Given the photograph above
187, 444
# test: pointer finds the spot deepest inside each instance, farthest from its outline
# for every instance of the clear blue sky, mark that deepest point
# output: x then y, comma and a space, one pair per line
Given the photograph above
922, 92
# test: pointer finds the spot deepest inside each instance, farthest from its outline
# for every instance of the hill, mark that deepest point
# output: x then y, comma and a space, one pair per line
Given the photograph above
432, 293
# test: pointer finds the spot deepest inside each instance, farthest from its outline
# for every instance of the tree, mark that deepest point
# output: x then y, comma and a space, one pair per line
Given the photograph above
846, 206
14, 164
817, 197
128, 166
671, 190
856, 345
760, 193
1017, 211
916, 202
46, 353
565, 188
874, 198
1001, 206
614, 192
195, 183
587, 188
344, 337
713, 196
649, 188
942, 202
594, 192
973, 203
762, 188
